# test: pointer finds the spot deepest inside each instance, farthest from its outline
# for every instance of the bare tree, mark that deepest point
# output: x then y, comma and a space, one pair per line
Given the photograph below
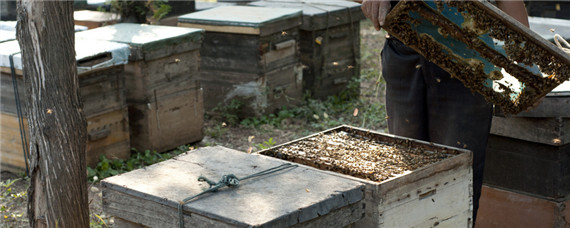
58, 188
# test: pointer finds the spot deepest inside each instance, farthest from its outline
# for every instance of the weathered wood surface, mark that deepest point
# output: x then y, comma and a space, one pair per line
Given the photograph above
148, 42
146, 80
107, 134
333, 63
319, 14
549, 131
101, 91
260, 93
95, 19
299, 197
438, 194
243, 20
530, 167
167, 122
249, 53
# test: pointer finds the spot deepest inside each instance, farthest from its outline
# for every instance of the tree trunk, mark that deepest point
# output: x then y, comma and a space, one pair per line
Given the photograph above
57, 196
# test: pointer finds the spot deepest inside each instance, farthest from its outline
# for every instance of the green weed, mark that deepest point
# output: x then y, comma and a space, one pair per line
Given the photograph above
106, 167
11, 200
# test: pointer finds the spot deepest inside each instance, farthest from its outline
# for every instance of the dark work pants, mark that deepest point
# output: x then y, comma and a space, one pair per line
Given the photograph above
423, 102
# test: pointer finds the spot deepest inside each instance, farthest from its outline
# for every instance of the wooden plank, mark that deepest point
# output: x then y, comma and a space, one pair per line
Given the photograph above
167, 122
318, 14
225, 29
549, 131
255, 203
439, 193
243, 19
145, 80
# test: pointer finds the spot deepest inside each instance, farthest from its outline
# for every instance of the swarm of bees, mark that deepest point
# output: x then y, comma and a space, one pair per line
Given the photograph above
343, 152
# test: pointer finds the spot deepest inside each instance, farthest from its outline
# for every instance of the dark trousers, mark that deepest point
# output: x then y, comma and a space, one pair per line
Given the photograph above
423, 102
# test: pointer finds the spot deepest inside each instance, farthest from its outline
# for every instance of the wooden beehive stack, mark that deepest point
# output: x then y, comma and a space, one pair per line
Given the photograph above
408, 183
527, 167
163, 94
101, 85
330, 43
249, 53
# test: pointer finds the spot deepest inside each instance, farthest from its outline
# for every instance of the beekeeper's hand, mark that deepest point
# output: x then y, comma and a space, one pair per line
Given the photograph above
376, 11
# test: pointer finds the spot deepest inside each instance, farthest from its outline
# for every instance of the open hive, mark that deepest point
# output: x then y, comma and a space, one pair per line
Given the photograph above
399, 175
460, 37
359, 155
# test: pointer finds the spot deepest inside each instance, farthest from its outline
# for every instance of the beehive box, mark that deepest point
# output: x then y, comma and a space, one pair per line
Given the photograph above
249, 53
330, 43
408, 183
460, 37
101, 87
164, 97
294, 197
530, 152
94, 19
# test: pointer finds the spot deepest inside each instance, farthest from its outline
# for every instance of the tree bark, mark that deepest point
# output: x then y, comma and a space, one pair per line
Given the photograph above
57, 196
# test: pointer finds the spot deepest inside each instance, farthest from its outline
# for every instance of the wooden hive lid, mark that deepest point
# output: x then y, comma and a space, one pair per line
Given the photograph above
280, 199
91, 55
8, 30
243, 20
148, 42
318, 14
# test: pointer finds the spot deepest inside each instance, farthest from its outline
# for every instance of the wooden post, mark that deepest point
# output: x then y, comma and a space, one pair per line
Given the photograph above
57, 196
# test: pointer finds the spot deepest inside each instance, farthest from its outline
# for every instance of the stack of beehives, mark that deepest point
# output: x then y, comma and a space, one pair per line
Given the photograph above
250, 54
163, 95
100, 69
330, 43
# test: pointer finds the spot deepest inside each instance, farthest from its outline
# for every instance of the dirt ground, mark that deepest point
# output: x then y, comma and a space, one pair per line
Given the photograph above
235, 137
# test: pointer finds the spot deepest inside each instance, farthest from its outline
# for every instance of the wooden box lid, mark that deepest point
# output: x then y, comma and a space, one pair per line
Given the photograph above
148, 42
8, 30
90, 55
318, 14
243, 19
281, 199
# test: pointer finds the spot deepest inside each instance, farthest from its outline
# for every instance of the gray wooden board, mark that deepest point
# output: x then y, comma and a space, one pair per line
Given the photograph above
284, 198
148, 41
318, 14
244, 16
550, 131
243, 19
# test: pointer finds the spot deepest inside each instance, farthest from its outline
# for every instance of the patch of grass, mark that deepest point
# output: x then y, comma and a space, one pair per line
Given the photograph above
107, 167
11, 200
